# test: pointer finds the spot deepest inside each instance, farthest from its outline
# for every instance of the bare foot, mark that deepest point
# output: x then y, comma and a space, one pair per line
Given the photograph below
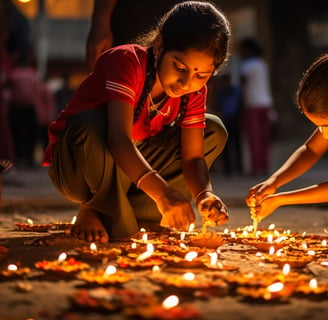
89, 227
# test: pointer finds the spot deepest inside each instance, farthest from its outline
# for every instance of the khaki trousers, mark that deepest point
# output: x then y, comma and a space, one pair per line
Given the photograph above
84, 171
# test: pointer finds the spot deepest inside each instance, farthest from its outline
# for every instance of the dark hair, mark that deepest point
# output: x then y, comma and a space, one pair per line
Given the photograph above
312, 94
188, 25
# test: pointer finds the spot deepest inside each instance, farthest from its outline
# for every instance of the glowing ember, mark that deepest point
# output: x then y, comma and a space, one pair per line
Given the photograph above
110, 270
93, 247
12, 267
191, 255
285, 269
30, 222
170, 302
62, 257
189, 276
275, 287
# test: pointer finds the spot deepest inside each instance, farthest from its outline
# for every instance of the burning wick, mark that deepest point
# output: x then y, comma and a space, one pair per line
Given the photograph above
62, 257
110, 270
146, 254
191, 255
170, 302
286, 269
93, 247
12, 267
189, 276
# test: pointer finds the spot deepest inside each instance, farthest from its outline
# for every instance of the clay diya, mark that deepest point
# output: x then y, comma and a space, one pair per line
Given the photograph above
295, 261
93, 252
112, 299
13, 272
264, 245
311, 288
190, 260
208, 240
61, 266
32, 227
109, 276
273, 292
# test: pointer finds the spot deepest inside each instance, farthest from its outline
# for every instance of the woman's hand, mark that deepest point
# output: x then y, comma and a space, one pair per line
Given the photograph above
212, 210
176, 210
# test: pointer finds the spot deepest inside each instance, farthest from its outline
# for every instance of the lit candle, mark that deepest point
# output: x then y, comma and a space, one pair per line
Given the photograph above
324, 242
191, 255
188, 276
156, 269
12, 267
93, 247
313, 284
275, 287
30, 222
110, 270
286, 269
62, 257
170, 302
73, 220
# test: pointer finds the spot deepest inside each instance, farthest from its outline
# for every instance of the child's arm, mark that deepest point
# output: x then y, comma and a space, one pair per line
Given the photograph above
312, 194
197, 177
298, 163
173, 205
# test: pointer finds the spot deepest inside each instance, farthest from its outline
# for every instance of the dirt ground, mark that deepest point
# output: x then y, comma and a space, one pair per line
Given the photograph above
40, 297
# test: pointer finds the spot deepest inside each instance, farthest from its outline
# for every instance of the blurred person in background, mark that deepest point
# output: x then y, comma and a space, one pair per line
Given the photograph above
258, 109
227, 104
116, 22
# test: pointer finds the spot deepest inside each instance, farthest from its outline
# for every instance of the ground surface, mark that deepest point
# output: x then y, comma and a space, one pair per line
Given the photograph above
49, 298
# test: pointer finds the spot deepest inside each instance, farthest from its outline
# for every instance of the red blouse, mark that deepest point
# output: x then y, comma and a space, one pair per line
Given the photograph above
120, 74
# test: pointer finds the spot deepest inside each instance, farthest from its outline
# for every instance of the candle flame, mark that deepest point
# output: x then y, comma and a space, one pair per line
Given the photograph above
142, 230
270, 238
313, 283
156, 269
324, 263
188, 276
214, 258
73, 220
324, 242
170, 302
62, 257
191, 227
226, 231
110, 270
30, 222
182, 236
271, 250
146, 254
12, 267
133, 245
275, 287
93, 247
183, 246
271, 226
145, 237
233, 234
191, 255
285, 269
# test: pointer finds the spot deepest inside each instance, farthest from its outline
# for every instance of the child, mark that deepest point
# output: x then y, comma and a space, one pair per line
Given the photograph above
134, 143
311, 97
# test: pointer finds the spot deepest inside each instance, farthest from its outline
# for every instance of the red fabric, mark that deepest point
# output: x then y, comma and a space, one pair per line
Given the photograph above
120, 74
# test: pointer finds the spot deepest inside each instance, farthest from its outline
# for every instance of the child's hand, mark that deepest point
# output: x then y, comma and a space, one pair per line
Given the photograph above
213, 210
265, 207
260, 191
176, 210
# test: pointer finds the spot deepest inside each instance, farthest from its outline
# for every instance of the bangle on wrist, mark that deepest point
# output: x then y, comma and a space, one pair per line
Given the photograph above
201, 193
144, 176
